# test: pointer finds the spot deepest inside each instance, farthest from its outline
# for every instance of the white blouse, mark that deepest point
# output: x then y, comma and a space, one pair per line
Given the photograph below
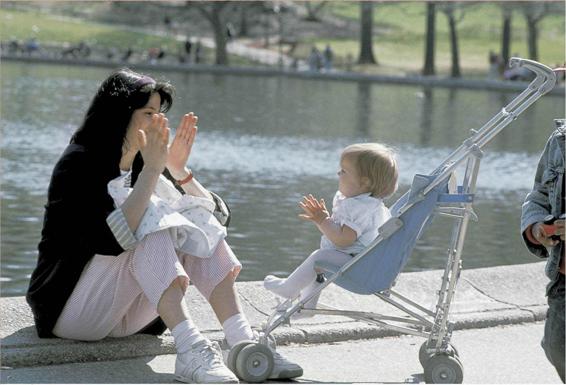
189, 219
362, 213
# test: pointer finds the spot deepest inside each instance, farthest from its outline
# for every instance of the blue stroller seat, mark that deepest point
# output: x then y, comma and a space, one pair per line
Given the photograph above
380, 264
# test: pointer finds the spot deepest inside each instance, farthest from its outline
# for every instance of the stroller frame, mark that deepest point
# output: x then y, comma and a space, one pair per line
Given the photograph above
437, 355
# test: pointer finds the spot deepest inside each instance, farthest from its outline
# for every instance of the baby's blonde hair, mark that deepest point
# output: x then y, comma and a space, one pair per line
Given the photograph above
377, 163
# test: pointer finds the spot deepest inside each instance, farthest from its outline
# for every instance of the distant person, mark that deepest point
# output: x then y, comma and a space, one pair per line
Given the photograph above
84, 49
545, 203
349, 62
230, 34
328, 57
494, 64
13, 46
517, 74
295, 64
315, 60
95, 278
188, 47
111, 53
128, 54
152, 54
368, 174
31, 46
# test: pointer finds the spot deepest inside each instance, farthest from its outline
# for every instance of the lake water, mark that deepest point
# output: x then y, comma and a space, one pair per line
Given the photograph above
264, 142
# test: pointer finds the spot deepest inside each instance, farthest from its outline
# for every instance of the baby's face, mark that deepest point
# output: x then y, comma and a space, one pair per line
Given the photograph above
349, 181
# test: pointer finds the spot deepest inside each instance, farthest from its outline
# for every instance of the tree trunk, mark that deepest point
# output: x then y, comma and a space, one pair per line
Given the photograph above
506, 37
312, 13
532, 38
455, 73
243, 31
430, 38
366, 33
213, 13
219, 37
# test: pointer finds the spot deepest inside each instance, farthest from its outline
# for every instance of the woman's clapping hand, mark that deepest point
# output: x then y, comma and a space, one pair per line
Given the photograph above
181, 146
153, 142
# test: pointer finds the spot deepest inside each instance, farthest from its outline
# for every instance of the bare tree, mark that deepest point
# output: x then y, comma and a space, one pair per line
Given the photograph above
507, 13
454, 13
248, 13
214, 13
430, 38
534, 12
366, 33
313, 9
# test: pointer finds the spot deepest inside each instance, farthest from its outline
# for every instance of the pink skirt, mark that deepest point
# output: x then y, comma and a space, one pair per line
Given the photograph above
117, 296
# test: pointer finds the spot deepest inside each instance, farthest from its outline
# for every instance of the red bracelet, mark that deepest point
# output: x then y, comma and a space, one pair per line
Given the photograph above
187, 179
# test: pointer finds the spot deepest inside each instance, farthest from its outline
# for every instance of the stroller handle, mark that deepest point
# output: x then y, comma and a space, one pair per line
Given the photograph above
542, 84
545, 76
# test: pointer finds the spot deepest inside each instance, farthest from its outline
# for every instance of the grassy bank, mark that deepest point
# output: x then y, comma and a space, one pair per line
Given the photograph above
400, 28
54, 30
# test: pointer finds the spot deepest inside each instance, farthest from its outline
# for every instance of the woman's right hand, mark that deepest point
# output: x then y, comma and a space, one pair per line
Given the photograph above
153, 143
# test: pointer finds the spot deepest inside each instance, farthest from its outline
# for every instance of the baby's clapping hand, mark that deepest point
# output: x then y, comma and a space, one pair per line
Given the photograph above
313, 209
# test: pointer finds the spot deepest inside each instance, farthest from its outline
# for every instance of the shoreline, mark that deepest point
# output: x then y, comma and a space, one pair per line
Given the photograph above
434, 81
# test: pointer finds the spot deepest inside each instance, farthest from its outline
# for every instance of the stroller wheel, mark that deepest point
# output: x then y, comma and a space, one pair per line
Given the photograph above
424, 356
453, 351
233, 354
443, 369
254, 363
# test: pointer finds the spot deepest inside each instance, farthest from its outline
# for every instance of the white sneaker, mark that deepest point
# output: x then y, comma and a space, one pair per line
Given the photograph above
203, 364
283, 368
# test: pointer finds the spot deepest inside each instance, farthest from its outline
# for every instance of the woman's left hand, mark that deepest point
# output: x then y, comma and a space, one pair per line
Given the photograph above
181, 146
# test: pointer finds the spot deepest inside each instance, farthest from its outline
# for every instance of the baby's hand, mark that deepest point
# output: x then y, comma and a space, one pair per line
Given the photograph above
314, 210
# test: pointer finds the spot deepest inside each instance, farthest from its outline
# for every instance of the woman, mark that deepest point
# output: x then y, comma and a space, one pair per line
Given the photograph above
93, 278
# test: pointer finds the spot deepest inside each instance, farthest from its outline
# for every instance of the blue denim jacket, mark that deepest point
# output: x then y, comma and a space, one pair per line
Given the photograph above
546, 197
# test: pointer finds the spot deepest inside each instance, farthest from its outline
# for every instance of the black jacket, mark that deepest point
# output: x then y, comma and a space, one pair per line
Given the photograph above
74, 230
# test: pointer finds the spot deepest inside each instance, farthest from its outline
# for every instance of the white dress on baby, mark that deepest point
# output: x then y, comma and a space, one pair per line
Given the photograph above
189, 219
362, 213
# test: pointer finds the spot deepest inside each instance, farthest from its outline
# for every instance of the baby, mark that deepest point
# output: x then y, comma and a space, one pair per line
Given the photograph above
190, 219
368, 174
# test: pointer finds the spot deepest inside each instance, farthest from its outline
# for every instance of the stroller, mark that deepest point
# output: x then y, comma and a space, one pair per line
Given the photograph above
374, 270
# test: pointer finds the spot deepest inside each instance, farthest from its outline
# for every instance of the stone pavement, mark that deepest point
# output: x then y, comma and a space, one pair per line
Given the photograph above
509, 354
485, 297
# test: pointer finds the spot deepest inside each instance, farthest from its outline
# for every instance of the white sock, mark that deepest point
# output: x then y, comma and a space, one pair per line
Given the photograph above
311, 304
236, 329
278, 286
186, 335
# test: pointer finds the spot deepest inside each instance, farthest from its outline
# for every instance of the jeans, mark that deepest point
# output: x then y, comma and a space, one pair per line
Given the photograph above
553, 340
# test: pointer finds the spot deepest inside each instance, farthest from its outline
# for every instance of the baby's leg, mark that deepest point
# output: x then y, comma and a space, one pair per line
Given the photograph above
305, 274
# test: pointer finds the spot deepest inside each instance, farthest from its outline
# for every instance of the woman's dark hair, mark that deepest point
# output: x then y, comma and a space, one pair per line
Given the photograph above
104, 128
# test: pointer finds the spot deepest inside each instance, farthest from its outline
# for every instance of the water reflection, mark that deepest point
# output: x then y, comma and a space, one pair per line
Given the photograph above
264, 148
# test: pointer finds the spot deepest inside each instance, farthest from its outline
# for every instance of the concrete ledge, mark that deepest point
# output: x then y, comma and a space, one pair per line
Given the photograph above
484, 298
428, 81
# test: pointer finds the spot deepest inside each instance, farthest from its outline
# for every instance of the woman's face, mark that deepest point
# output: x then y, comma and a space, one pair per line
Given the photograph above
141, 119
